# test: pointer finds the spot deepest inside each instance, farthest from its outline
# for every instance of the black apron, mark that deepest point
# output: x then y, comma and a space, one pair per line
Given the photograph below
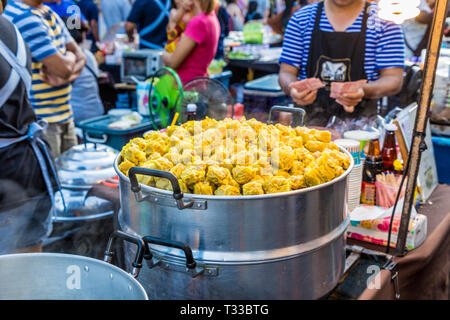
27, 170
336, 57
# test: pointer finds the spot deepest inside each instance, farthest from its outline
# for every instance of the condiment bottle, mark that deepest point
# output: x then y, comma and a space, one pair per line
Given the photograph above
372, 166
191, 111
389, 152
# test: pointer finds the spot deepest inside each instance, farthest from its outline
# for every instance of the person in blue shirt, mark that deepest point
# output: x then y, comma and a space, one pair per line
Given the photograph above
150, 19
341, 41
90, 11
67, 8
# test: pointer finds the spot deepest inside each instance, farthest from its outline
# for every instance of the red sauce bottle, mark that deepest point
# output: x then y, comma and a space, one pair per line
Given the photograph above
389, 152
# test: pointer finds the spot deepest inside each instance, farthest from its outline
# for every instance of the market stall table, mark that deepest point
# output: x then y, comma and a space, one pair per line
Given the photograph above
266, 63
423, 273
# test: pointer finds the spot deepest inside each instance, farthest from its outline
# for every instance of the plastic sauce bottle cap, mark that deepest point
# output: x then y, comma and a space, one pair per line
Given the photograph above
191, 107
398, 165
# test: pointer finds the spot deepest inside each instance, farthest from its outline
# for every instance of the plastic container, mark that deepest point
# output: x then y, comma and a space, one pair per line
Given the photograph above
261, 94
441, 146
223, 77
363, 137
96, 130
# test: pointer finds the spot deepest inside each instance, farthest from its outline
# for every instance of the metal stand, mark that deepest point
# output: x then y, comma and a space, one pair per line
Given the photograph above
418, 145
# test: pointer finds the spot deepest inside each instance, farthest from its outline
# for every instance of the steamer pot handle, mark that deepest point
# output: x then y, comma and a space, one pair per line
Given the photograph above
177, 194
287, 109
137, 264
190, 262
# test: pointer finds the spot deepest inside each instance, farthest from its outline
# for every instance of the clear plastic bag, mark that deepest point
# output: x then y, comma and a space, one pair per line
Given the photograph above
387, 190
350, 124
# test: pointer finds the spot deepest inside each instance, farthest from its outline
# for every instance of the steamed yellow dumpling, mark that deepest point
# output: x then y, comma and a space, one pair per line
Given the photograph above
203, 187
243, 174
227, 190
218, 175
252, 188
277, 184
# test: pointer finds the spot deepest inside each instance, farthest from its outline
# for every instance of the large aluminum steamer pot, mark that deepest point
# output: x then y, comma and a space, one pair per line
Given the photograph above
287, 245
55, 276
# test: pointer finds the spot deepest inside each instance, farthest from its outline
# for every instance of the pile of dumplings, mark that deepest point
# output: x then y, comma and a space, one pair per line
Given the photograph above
236, 157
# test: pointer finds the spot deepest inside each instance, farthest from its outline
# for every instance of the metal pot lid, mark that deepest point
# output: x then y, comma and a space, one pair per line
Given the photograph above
86, 164
80, 207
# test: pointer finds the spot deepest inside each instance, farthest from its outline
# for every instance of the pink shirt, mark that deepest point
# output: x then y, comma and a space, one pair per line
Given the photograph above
204, 29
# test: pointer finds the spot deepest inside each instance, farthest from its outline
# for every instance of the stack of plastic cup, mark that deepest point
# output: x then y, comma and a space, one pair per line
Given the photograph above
355, 176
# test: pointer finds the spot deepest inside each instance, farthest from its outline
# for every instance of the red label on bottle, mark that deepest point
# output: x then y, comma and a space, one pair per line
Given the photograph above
368, 193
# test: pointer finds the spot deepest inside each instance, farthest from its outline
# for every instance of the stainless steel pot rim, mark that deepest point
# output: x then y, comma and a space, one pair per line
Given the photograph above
252, 257
153, 190
81, 259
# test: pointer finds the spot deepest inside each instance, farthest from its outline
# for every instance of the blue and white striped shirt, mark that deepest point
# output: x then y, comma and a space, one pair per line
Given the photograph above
384, 40
45, 34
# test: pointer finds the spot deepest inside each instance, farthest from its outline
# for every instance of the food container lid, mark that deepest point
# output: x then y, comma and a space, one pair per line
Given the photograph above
83, 165
191, 107
361, 135
118, 112
78, 206
347, 143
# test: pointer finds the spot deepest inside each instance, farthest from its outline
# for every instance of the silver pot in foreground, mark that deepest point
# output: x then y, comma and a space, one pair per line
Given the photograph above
56, 276
287, 245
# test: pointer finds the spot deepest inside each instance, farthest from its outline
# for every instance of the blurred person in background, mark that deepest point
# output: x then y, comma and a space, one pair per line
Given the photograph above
417, 30
149, 18
198, 45
236, 15
285, 10
85, 98
26, 180
89, 9
66, 8
57, 62
180, 15
224, 21
252, 13
262, 8
114, 12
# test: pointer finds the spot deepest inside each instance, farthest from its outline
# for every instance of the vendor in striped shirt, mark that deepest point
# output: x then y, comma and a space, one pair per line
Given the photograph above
341, 41
56, 62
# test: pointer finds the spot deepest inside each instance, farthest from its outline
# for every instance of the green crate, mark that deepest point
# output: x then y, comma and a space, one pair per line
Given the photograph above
96, 130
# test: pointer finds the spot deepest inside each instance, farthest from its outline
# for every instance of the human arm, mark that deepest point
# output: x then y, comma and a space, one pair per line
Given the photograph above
134, 18
182, 50
93, 24
175, 17
130, 29
289, 74
389, 83
49, 76
265, 16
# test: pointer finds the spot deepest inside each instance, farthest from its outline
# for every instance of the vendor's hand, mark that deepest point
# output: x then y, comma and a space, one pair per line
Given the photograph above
350, 100
303, 98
